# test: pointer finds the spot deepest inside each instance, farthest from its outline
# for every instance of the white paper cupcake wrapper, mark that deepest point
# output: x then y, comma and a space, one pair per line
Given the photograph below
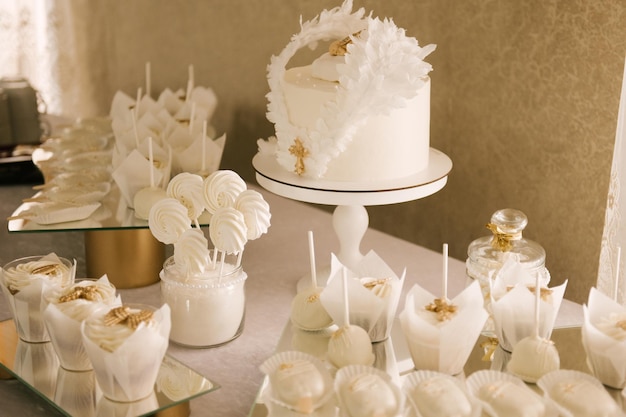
274, 362
344, 375
414, 378
547, 381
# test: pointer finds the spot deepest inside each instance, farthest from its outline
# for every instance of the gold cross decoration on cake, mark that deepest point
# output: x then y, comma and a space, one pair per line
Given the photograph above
300, 152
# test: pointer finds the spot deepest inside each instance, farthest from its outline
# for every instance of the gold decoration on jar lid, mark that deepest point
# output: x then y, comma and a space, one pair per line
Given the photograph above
444, 310
501, 239
300, 152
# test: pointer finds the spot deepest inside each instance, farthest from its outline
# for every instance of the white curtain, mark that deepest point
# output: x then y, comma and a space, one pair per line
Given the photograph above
613, 250
45, 42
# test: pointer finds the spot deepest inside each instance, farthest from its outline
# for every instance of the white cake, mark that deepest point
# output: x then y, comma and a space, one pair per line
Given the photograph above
361, 114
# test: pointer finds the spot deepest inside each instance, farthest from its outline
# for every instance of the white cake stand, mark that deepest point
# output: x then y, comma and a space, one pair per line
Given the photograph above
350, 218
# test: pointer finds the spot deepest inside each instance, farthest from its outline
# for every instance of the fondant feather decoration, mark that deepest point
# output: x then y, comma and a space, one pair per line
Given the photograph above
383, 69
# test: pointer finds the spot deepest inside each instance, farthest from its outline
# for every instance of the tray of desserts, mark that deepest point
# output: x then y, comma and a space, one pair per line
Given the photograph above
392, 356
76, 393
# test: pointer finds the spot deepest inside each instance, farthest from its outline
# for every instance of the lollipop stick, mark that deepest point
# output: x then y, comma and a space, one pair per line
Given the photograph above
239, 256
444, 280
151, 159
222, 258
148, 81
214, 257
617, 268
312, 260
346, 305
189, 83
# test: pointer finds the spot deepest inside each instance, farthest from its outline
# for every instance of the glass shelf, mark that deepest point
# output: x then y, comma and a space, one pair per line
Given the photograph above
77, 393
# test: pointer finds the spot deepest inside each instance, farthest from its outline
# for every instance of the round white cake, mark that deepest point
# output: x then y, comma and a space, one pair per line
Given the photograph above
358, 113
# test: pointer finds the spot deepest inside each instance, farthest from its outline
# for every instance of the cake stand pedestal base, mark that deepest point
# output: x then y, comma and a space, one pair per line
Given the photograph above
350, 218
131, 258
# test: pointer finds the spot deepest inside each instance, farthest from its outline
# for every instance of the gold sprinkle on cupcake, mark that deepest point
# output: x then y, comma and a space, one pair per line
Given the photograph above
340, 47
444, 310
49, 269
122, 315
372, 284
89, 293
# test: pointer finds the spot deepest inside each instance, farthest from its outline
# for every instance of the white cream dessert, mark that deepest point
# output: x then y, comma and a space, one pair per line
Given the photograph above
307, 311
511, 400
350, 345
145, 198
532, 358
582, 398
614, 326
126, 345
440, 396
332, 120
24, 282
65, 312
299, 384
368, 395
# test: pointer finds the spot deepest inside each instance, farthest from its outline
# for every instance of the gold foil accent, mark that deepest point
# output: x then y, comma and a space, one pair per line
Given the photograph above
502, 240
621, 324
442, 308
284, 366
50, 269
122, 315
372, 284
489, 347
544, 293
88, 292
300, 152
313, 298
340, 47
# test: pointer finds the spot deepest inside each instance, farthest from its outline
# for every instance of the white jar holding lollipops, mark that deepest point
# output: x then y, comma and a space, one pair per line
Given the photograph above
204, 286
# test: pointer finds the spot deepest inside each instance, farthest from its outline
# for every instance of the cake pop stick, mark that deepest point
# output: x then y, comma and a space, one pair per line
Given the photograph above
133, 115
191, 117
444, 283
346, 304
190, 82
617, 269
312, 260
151, 159
203, 163
137, 101
214, 260
148, 80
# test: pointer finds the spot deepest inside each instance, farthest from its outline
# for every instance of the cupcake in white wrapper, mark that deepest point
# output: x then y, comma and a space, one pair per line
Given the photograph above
298, 383
143, 407
373, 293
439, 339
77, 392
126, 346
578, 394
66, 310
366, 391
505, 395
434, 394
24, 282
604, 338
37, 364
513, 307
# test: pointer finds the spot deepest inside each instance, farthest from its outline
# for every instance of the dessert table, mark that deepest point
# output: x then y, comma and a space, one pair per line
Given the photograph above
274, 264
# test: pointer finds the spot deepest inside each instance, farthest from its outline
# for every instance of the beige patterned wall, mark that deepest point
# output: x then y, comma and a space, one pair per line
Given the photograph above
524, 100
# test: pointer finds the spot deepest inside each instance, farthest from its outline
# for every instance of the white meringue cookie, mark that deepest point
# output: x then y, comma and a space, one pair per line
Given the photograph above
168, 220
256, 212
228, 230
187, 188
221, 189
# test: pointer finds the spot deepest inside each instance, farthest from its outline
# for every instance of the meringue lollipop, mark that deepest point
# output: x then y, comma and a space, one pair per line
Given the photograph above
534, 356
307, 311
350, 344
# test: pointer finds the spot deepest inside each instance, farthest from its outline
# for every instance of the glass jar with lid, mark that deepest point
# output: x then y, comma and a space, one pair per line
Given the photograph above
487, 255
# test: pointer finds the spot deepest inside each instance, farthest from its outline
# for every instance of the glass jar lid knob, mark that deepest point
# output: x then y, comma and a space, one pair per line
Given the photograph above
506, 225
